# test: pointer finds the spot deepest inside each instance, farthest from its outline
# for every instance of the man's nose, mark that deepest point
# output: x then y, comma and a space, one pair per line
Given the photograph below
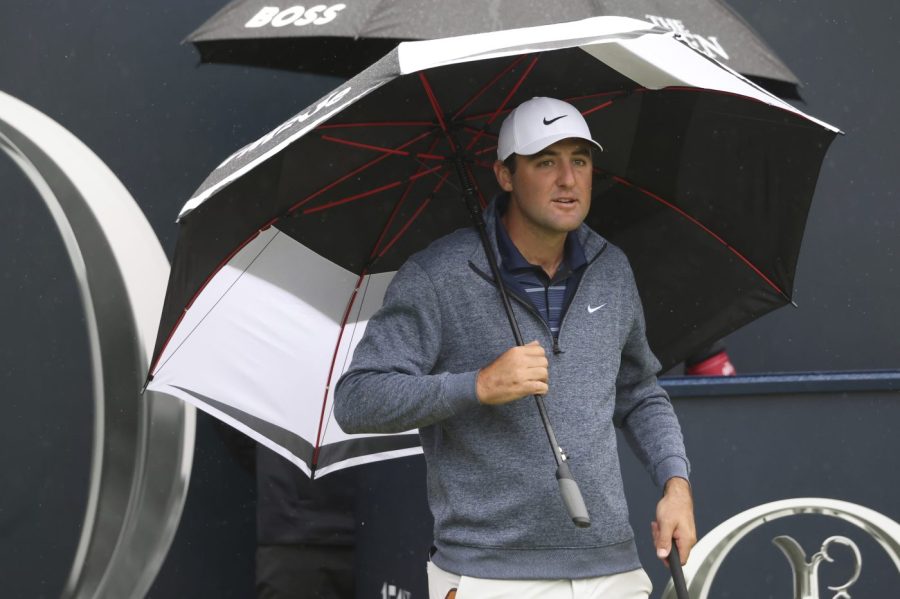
565, 175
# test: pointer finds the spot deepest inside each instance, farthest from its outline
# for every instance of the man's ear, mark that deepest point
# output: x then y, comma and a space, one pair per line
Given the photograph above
504, 177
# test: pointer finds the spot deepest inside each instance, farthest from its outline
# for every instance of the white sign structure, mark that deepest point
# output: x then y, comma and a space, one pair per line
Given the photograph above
709, 553
143, 446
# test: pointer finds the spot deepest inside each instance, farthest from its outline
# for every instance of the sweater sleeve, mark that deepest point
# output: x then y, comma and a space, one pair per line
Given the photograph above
390, 386
643, 409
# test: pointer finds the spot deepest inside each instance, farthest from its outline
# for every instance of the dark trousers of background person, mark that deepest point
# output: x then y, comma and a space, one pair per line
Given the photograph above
305, 572
306, 531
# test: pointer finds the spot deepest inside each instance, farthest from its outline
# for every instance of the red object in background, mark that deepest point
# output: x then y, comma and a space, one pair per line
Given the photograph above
718, 364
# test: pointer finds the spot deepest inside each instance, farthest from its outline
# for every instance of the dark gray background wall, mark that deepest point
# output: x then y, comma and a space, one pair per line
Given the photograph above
115, 75
848, 283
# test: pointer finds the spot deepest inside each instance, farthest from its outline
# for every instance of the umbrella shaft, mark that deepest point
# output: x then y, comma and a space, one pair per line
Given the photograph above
678, 581
478, 218
568, 487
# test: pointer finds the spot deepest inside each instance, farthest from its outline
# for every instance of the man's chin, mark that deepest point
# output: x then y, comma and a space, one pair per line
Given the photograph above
567, 225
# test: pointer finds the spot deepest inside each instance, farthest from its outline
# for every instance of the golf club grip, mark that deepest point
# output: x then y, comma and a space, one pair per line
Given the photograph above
571, 495
677, 575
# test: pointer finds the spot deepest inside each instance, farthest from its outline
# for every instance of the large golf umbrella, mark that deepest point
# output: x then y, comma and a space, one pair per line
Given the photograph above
343, 38
286, 249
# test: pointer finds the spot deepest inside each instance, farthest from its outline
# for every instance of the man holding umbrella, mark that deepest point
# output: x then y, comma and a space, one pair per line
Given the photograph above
437, 357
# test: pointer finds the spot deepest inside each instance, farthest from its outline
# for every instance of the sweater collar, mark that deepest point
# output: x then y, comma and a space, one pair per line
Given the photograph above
589, 242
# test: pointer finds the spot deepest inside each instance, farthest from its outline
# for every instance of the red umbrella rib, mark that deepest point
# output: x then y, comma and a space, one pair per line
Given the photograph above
488, 85
356, 144
355, 172
377, 124
371, 192
705, 229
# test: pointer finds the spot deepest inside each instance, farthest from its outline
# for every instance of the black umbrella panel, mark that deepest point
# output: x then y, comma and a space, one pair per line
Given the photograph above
343, 39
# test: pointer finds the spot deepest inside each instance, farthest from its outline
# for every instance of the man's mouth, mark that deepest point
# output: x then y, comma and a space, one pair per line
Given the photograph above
564, 200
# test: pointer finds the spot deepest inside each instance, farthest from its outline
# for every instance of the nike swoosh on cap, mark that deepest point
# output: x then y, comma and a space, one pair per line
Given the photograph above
551, 121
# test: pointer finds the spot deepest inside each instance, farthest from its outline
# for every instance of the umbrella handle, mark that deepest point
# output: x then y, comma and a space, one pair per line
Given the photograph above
571, 496
677, 574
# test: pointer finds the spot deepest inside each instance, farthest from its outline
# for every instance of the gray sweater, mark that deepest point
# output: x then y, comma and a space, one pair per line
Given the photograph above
491, 485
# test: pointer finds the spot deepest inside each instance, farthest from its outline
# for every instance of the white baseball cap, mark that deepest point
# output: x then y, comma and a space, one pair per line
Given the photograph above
539, 122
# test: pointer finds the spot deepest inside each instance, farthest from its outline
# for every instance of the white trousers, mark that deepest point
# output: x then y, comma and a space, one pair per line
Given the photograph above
627, 585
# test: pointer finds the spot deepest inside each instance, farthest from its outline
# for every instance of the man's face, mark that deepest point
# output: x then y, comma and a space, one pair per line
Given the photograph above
550, 191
